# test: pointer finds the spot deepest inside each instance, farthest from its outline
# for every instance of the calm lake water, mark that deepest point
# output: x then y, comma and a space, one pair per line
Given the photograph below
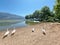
16, 25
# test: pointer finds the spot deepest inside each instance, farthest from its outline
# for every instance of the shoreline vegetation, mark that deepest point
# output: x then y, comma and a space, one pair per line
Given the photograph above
45, 14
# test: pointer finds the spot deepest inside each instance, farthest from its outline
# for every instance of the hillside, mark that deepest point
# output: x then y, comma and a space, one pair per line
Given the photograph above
8, 16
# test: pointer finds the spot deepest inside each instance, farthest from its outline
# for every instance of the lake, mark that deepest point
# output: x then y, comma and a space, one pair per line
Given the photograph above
10, 24
16, 25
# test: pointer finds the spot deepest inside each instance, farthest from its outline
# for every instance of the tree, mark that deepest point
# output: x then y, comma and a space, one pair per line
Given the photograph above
45, 13
30, 16
42, 15
36, 14
57, 9
27, 17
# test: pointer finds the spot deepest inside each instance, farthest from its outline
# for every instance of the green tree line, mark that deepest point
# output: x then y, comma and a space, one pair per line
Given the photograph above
45, 14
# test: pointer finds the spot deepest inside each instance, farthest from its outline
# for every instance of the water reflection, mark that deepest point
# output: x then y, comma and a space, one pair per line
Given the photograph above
16, 25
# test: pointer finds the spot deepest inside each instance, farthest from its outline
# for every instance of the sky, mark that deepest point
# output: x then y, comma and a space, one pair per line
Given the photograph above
24, 7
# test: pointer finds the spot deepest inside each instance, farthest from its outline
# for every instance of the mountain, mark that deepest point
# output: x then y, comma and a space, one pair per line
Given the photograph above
8, 16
